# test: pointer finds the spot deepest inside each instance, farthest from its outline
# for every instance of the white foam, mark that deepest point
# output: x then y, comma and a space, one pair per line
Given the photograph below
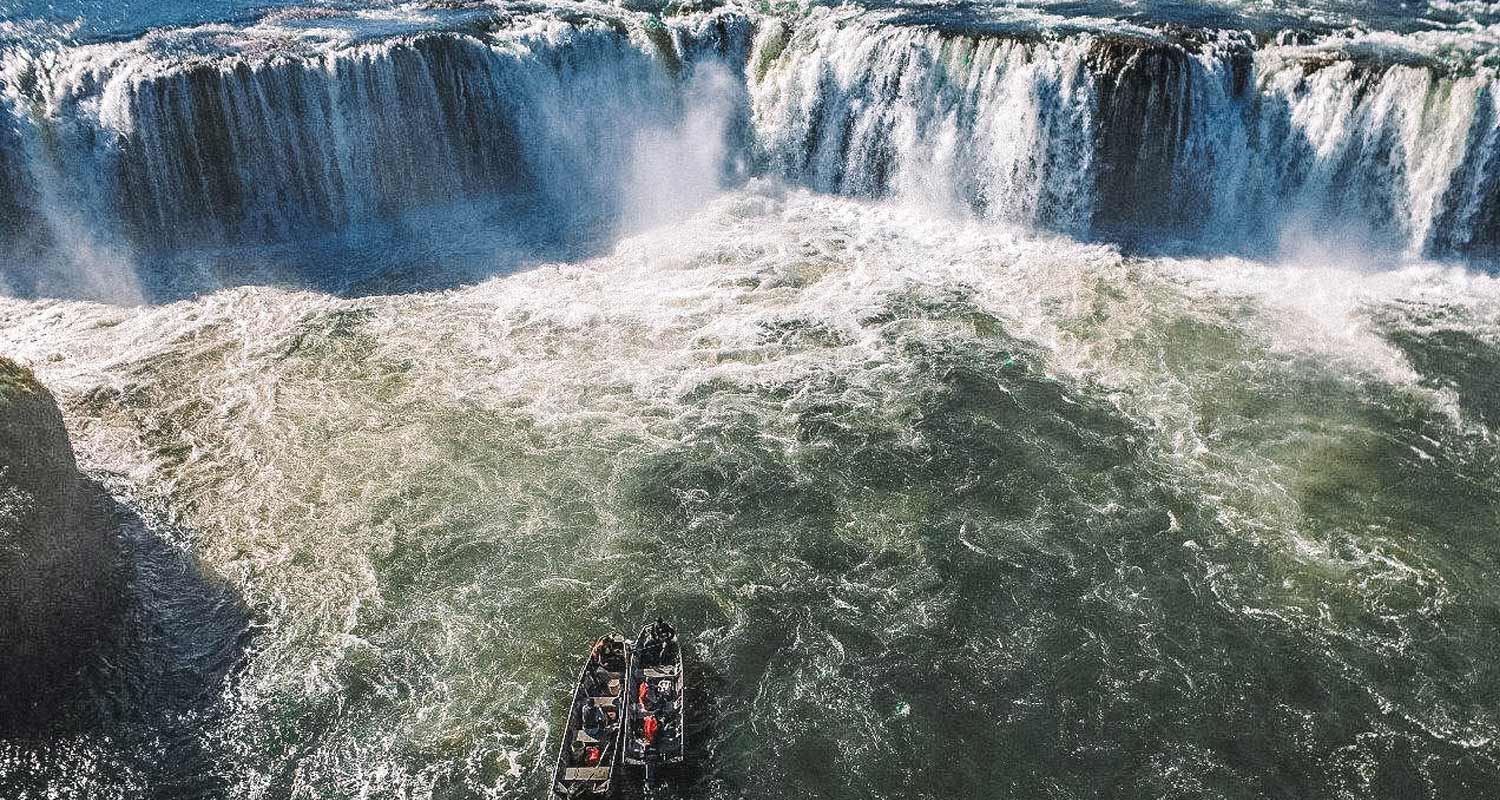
309, 419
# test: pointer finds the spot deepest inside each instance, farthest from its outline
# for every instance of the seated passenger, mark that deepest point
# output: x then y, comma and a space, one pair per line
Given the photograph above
661, 646
595, 721
599, 678
661, 695
609, 655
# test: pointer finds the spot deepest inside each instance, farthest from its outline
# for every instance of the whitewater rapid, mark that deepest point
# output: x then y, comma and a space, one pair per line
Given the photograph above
855, 448
1007, 402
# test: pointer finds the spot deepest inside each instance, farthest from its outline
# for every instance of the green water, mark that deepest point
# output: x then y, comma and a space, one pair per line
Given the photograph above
942, 513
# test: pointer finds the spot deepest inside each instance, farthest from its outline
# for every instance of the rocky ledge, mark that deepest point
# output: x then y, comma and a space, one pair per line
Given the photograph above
61, 571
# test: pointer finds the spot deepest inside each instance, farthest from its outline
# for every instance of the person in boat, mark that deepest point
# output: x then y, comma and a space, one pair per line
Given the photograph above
660, 648
601, 681
649, 728
583, 715
595, 720
666, 730
608, 658
660, 695
611, 655
600, 659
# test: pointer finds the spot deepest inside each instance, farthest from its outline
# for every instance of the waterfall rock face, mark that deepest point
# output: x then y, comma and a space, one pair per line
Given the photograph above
123, 151
255, 148
1223, 141
60, 564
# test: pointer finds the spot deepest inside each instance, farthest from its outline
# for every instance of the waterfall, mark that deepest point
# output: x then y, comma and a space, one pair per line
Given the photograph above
254, 148
1208, 139
1218, 140
995, 125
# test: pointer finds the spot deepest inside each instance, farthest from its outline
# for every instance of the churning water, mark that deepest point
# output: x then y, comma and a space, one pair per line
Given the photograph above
1032, 402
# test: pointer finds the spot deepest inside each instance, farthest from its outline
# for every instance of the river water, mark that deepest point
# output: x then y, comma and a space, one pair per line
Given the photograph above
1054, 400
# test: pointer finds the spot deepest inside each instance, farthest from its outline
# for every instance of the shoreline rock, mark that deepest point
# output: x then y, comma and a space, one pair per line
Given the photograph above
61, 570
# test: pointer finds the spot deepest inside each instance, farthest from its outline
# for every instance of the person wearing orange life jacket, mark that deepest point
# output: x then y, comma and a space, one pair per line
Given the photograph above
592, 755
648, 728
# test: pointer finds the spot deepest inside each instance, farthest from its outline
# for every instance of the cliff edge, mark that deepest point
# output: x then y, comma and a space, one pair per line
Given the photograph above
60, 562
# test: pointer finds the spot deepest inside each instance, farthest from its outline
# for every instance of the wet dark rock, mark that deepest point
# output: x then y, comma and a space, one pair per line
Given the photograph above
1145, 107
60, 562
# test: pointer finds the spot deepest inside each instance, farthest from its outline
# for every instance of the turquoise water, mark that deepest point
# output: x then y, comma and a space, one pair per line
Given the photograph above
113, 18
94, 19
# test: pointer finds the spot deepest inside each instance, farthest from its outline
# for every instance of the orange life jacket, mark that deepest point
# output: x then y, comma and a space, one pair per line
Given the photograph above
648, 726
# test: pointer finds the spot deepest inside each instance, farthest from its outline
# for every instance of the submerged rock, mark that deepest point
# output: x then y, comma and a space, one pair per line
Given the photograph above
60, 563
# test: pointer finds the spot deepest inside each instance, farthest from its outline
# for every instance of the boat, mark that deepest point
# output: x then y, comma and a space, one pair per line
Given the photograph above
655, 733
590, 748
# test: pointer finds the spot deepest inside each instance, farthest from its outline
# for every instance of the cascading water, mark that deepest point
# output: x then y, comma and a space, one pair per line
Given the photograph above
167, 153
1137, 136
1066, 400
1216, 141
999, 125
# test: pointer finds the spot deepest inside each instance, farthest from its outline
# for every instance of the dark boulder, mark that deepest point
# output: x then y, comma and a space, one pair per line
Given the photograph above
61, 570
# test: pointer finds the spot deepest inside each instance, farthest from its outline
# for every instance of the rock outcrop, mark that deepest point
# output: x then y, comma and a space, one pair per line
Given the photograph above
60, 563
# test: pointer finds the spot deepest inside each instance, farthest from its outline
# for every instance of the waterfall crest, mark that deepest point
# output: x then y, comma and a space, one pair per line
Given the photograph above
1214, 140
1221, 140
267, 147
